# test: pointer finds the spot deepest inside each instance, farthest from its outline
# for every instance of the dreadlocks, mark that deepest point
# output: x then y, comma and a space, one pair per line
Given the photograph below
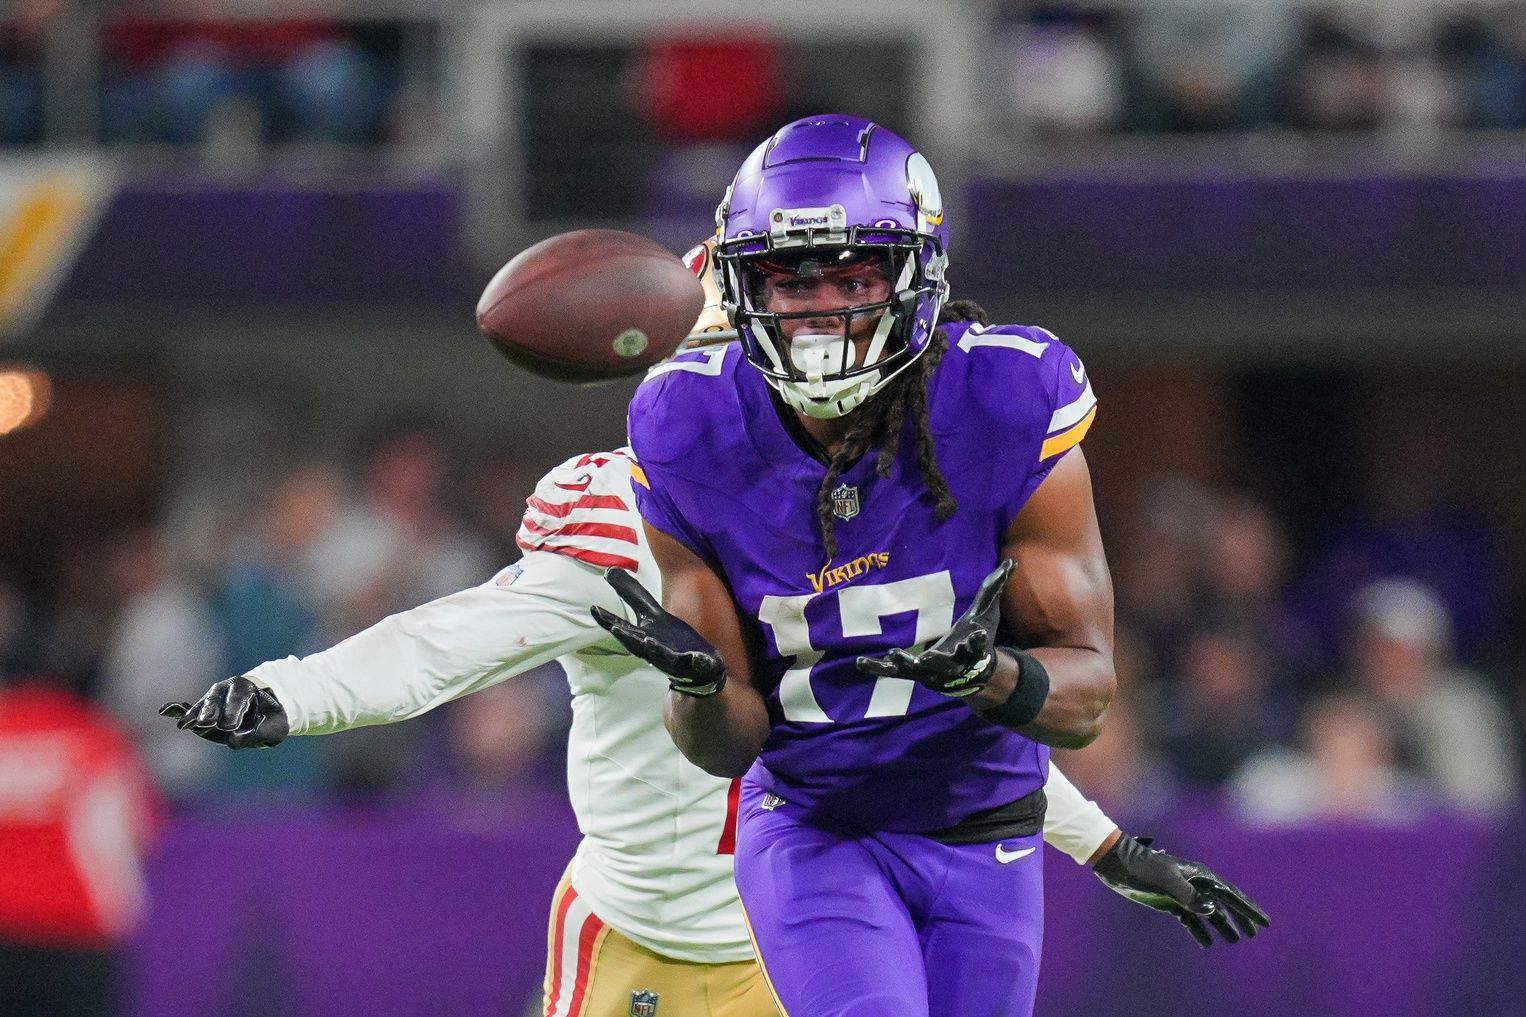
877, 425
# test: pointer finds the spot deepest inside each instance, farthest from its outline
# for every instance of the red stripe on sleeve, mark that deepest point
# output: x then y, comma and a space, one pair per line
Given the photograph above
559, 930
591, 929
602, 559
561, 510
728, 844
614, 531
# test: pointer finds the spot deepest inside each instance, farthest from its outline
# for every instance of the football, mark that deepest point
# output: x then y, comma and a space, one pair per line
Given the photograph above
590, 305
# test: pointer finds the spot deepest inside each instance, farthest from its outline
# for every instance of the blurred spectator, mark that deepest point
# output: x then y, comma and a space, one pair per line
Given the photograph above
267, 609
397, 544
166, 644
1064, 75
496, 491
1416, 522
1421, 99
1243, 557
188, 82
1485, 54
1218, 711
1158, 568
76, 814
1207, 66
1243, 565
503, 736
709, 88
1119, 770
1346, 769
266, 603
1337, 77
1455, 727
16, 630
76, 630
20, 84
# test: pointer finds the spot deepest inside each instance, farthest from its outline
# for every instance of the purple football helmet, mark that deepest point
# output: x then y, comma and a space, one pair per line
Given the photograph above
828, 191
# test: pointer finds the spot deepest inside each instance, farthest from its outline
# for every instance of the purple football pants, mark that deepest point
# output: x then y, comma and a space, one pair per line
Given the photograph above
889, 924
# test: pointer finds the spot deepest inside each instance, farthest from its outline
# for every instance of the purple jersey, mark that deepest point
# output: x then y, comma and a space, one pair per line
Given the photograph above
721, 474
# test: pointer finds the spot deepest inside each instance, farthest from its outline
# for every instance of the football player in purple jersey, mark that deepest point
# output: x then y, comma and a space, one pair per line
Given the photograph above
884, 590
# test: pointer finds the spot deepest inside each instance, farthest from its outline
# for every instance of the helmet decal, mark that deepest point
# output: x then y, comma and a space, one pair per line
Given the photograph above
923, 184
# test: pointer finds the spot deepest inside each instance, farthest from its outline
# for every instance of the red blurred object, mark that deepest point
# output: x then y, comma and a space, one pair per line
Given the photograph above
141, 41
76, 813
700, 89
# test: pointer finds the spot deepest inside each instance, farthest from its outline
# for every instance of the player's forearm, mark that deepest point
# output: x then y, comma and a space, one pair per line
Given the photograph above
1080, 684
1073, 823
721, 734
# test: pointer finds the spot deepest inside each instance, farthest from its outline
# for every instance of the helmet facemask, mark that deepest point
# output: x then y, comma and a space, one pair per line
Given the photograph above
829, 369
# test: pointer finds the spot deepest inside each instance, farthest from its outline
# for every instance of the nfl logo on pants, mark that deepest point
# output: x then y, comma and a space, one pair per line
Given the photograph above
643, 1003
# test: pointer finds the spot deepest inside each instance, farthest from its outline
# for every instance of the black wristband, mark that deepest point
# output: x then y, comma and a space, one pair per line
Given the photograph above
1027, 699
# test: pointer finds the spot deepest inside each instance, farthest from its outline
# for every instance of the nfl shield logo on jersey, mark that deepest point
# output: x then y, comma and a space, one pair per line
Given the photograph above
844, 502
643, 1003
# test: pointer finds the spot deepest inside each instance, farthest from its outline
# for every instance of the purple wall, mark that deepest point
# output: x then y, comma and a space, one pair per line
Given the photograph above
209, 246
204, 244
430, 912
1246, 235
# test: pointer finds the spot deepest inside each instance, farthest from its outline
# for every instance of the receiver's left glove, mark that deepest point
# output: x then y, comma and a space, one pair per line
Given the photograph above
1188, 890
666, 642
962, 662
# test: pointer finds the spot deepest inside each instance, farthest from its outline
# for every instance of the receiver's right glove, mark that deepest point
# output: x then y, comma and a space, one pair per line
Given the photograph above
664, 641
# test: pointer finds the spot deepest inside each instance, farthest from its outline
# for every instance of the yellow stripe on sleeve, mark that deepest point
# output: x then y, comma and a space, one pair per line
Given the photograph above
1067, 439
639, 476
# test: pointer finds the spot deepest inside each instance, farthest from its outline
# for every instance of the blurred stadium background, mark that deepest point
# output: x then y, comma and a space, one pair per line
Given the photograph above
244, 412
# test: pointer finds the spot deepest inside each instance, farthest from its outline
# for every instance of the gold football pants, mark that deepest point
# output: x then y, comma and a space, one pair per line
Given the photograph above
594, 971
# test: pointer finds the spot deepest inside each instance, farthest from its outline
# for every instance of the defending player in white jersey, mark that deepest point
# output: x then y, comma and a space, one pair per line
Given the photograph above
646, 919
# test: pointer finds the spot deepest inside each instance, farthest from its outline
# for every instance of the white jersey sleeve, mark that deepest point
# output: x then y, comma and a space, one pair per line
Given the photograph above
532, 612
1072, 823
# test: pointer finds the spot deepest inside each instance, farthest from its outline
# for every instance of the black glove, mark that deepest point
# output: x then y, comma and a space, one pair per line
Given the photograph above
692, 665
235, 712
1190, 890
962, 662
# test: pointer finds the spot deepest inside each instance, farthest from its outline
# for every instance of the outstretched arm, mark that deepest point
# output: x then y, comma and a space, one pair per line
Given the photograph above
411, 662
1189, 891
